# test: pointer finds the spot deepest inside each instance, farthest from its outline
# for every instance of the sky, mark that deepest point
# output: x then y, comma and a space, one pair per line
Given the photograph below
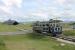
34, 10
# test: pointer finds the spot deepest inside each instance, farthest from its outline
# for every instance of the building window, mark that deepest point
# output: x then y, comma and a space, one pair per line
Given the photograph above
57, 29
53, 24
40, 25
57, 25
47, 25
43, 25
50, 24
45, 28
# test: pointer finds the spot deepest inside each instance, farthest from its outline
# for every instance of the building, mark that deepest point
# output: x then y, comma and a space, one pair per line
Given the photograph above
51, 26
11, 22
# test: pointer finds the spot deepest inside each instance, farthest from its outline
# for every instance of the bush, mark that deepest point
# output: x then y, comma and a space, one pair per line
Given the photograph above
2, 43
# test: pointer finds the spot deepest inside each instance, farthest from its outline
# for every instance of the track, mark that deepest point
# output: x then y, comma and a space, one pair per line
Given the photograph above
66, 39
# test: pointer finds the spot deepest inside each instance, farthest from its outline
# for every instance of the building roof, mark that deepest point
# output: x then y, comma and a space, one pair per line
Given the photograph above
10, 21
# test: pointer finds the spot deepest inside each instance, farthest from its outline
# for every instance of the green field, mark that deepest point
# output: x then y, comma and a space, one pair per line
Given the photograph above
69, 32
32, 42
13, 28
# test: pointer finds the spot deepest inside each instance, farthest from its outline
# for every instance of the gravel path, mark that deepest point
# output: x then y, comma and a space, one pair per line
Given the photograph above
65, 41
18, 32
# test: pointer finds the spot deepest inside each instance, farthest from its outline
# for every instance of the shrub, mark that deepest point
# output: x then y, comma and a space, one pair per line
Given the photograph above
2, 43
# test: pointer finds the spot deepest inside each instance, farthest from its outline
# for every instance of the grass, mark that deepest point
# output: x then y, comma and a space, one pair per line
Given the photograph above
2, 45
7, 28
30, 42
66, 25
12, 28
69, 32
24, 26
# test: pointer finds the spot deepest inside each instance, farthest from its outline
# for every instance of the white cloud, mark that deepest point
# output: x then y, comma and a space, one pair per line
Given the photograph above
61, 1
40, 15
43, 9
8, 4
12, 2
6, 9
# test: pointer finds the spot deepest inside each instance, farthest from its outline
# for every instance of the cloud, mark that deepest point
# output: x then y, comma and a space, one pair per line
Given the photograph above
12, 2
34, 16
39, 9
60, 1
9, 4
